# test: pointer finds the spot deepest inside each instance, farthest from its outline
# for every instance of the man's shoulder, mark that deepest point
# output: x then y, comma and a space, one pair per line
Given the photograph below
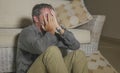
30, 27
26, 33
27, 29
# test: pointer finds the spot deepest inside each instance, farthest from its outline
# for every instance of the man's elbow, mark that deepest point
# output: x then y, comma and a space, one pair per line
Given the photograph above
75, 46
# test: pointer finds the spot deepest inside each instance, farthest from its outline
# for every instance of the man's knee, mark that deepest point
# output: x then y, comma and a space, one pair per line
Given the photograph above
52, 53
80, 54
53, 50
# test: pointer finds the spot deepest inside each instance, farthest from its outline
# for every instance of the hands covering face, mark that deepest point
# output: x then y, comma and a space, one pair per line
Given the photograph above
50, 22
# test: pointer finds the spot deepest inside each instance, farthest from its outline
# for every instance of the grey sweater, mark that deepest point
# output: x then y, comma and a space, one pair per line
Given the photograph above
32, 42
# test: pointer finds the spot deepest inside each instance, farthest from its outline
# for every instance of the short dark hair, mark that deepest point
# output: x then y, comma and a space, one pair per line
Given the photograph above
36, 9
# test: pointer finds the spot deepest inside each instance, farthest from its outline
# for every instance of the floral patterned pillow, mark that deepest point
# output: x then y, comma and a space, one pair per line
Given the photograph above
73, 14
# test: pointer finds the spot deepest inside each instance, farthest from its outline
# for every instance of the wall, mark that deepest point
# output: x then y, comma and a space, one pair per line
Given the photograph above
111, 9
17, 13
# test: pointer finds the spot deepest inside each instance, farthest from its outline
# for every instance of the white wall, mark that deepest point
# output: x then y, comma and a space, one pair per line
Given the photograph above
14, 13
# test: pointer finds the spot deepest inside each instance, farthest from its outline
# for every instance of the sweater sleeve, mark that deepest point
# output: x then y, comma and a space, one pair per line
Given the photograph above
69, 41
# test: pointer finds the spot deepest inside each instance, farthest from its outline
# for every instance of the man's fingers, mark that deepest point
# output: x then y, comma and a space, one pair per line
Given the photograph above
43, 27
52, 12
45, 19
50, 18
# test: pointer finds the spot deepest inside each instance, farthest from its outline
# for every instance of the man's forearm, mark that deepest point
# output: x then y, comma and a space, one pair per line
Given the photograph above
69, 40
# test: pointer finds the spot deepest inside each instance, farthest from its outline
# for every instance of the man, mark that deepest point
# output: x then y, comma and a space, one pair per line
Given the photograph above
40, 46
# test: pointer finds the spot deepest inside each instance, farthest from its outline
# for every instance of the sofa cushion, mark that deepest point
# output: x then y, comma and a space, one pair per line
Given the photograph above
73, 14
8, 37
83, 36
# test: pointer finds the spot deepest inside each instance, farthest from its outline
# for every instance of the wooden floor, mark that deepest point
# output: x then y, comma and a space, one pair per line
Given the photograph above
110, 49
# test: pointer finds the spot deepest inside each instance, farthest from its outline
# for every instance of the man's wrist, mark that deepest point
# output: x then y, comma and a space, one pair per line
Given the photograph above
60, 30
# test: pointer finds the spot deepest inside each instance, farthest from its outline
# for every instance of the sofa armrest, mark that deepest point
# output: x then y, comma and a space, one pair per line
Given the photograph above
95, 27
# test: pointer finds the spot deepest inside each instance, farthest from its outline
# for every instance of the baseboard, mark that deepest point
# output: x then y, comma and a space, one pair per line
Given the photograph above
110, 39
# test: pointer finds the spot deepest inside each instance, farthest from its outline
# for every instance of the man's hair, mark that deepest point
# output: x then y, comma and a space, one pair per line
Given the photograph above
36, 11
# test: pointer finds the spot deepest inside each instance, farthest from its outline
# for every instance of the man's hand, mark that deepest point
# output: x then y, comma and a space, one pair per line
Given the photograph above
56, 22
49, 23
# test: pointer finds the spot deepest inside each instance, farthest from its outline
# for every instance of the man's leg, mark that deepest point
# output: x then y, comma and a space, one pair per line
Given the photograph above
50, 61
76, 62
38, 66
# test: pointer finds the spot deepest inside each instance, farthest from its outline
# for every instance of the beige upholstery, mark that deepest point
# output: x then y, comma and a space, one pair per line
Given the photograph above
8, 37
83, 36
98, 64
73, 14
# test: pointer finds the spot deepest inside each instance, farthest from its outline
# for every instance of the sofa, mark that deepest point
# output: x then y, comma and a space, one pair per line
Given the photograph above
86, 29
